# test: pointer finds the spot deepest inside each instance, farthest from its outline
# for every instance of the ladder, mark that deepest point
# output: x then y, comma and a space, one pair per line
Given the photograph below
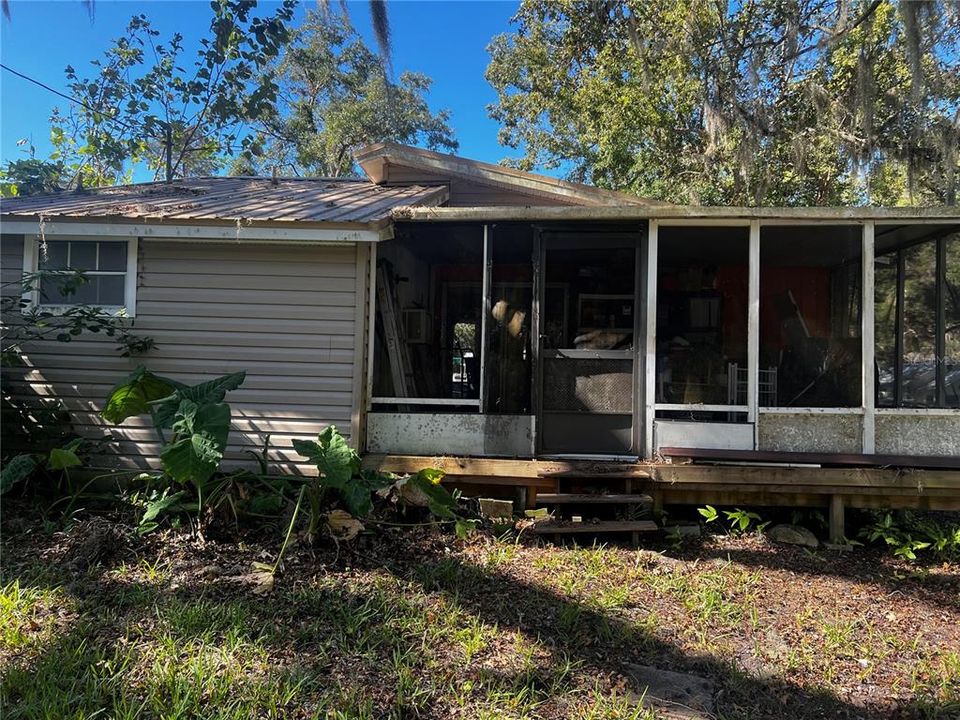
397, 351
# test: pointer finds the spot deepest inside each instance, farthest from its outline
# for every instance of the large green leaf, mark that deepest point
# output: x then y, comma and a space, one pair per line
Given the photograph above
16, 470
132, 395
441, 503
201, 436
212, 391
336, 461
62, 458
357, 494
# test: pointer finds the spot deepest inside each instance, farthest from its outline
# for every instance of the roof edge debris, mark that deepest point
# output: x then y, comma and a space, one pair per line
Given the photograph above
376, 160
231, 199
688, 213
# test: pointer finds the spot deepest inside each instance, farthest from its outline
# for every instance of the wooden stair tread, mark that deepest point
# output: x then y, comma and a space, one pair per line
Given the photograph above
552, 527
593, 498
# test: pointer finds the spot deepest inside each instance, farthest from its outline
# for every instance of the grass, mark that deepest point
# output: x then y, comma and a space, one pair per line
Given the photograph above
420, 625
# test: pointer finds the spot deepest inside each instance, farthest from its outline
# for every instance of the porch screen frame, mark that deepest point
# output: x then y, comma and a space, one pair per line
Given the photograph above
939, 240
477, 402
753, 324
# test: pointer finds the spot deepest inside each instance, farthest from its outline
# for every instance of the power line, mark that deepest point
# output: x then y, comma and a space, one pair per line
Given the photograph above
165, 138
81, 103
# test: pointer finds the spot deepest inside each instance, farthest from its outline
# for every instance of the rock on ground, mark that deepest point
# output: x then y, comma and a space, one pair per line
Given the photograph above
673, 694
793, 535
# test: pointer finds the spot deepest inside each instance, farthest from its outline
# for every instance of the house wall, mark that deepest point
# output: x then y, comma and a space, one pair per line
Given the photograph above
450, 434
810, 432
905, 432
286, 314
467, 193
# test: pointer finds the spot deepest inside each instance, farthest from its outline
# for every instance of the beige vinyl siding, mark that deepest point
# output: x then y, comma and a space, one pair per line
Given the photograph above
285, 314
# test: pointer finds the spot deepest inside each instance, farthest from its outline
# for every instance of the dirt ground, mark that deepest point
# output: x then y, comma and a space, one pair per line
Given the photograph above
412, 623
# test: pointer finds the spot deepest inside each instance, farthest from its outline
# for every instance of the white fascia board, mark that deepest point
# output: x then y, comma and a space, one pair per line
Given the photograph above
235, 232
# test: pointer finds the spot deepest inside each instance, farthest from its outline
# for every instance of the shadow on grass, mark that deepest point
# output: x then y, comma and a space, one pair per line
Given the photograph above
862, 565
352, 648
601, 643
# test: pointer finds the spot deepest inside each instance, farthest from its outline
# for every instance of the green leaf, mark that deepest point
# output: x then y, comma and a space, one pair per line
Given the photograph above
212, 391
709, 512
464, 528
441, 503
433, 475
336, 461
132, 395
357, 499
202, 432
17, 470
158, 506
61, 458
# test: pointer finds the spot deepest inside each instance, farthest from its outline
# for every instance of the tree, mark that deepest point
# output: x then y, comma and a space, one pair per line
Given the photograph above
379, 19
800, 102
335, 95
141, 100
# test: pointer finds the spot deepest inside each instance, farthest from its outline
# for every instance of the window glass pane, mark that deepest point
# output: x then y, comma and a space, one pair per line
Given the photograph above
952, 324
589, 294
885, 328
86, 292
429, 303
918, 386
113, 256
83, 255
55, 257
110, 289
509, 363
52, 292
810, 316
702, 288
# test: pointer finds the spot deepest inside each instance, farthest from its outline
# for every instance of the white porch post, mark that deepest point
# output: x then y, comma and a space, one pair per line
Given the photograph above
485, 313
371, 322
868, 346
650, 340
753, 329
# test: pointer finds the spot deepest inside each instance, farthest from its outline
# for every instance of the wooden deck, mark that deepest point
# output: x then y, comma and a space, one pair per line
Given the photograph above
686, 483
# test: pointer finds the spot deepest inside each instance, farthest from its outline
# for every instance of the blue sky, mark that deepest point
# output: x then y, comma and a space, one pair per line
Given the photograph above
445, 40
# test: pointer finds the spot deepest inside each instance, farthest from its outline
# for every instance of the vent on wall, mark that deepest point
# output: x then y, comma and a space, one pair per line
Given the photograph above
416, 325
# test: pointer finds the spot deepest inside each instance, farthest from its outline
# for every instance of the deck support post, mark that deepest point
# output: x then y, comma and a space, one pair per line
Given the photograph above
657, 504
525, 498
837, 534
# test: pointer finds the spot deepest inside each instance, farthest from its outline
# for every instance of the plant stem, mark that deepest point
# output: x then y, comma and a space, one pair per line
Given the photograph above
286, 540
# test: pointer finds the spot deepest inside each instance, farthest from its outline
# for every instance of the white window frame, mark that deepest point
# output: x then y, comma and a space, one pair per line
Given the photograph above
31, 264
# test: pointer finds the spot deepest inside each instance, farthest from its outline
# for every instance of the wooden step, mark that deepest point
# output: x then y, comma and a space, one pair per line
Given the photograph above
593, 499
564, 527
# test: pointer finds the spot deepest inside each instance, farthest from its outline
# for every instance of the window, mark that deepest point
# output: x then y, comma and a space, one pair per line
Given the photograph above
108, 270
429, 317
509, 359
810, 346
917, 318
702, 289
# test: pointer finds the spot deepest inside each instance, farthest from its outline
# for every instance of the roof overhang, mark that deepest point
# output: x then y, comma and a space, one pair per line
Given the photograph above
376, 161
680, 214
300, 232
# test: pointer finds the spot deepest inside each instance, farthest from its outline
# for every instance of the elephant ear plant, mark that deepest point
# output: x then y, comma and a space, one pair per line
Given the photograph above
340, 469
193, 423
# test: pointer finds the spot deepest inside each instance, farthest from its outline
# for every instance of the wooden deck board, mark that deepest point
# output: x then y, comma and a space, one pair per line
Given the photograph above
593, 499
825, 459
606, 526
681, 483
